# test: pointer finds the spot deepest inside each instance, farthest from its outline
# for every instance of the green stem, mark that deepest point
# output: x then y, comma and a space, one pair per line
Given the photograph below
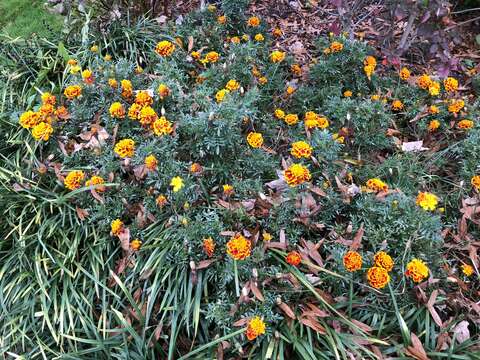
350, 300
401, 322
237, 286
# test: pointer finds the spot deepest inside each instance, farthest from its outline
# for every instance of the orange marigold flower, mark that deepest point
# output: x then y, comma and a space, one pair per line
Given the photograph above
161, 200
424, 82
165, 48
277, 32
162, 126
352, 261
296, 69
227, 189
209, 246
29, 119
465, 124
255, 328
72, 92
336, 47
427, 201
46, 109
135, 244
127, 89
404, 73
238, 247
96, 180
296, 174
433, 109
143, 98
87, 76
48, 98
232, 85
151, 162
222, 19
235, 40
290, 90
417, 270
383, 260
397, 105
196, 168
277, 56
301, 149
450, 84
125, 148
293, 258
262, 80
433, 125
456, 105
291, 119
370, 61
62, 112
253, 21
212, 57
163, 91
378, 277
467, 270
74, 179
347, 93
475, 181
376, 185
117, 110
116, 227
42, 131
147, 116
255, 139
134, 111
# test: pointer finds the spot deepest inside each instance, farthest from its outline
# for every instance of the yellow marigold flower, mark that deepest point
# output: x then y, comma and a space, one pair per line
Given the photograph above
327, 51
135, 244
424, 82
433, 109
127, 89
277, 56
147, 116
72, 92
378, 277
163, 91
113, 83
475, 181
74, 179
465, 124
48, 98
87, 76
266, 236
134, 111
209, 246
212, 57
228, 189
427, 201
29, 119
467, 270
75, 69
253, 21
369, 70
375, 97
235, 40
433, 125
277, 32
291, 119
456, 105
290, 90
138, 70
255, 139
256, 72
232, 85
296, 69
383, 260
255, 328
125, 148
162, 126
336, 47
222, 19
116, 227
338, 138
94, 48
347, 93
376, 185
176, 183
450, 84
117, 110
417, 270
195, 55
165, 48
238, 247
296, 174
96, 180
301, 149
151, 162
42, 131
259, 37
143, 98
397, 105
352, 261
196, 168
245, 37
262, 80
161, 200
219, 96
279, 114
434, 88
404, 73
212, 8
107, 57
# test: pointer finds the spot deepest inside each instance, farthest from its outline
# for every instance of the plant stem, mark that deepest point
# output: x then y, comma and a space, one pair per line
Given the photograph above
237, 286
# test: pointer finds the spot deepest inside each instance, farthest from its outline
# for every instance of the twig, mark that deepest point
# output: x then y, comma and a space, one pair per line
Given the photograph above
462, 23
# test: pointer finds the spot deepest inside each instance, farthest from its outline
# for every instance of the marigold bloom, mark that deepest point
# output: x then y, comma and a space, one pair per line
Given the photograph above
347, 93
117, 110
255, 139
220, 95
116, 227
232, 85
125, 148
255, 328
467, 269
301, 149
238, 247
195, 168
75, 69
176, 183
165, 48
404, 73
113, 83
352, 261
147, 116
296, 174
456, 105
450, 84
277, 32
42, 131
290, 90
433, 125
475, 181
46, 110
424, 82
87, 76
253, 21
127, 88
245, 37
465, 124
61, 112
48, 98
74, 179
262, 80
227, 189
195, 55
383, 260
162, 126
277, 56
433, 109
336, 47
266, 236
212, 8
279, 114
222, 19
375, 97
135, 244
291, 119
72, 62
427, 201
259, 37
161, 200
134, 111
29, 119
434, 88
209, 246
417, 270
163, 91
293, 258
369, 70
96, 180
397, 105
107, 57
378, 277
94, 48
212, 57
338, 138
376, 185
151, 162
143, 98
72, 92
